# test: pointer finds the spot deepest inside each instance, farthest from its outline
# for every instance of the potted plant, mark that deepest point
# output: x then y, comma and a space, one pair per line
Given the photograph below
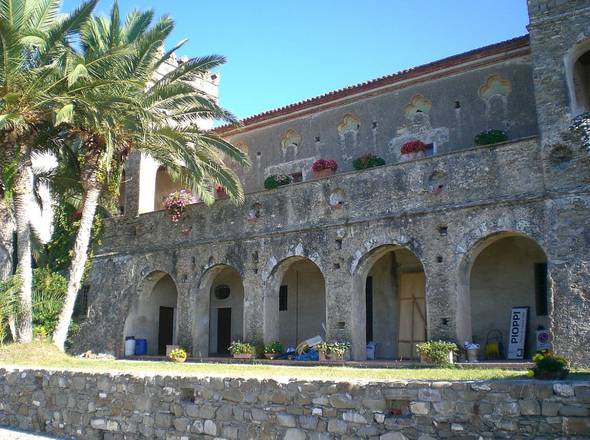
549, 366
175, 203
367, 161
178, 355
491, 136
242, 350
276, 180
437, 352
273, 349
324, 168
412, 150
322, 349
336, 350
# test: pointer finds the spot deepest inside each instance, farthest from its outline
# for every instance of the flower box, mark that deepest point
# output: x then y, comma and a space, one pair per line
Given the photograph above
324, 173
324, 168
243, 356
412, 150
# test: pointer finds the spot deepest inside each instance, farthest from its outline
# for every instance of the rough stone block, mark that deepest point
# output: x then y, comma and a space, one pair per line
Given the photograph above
295, 434
529, 407
286, 420
337, 426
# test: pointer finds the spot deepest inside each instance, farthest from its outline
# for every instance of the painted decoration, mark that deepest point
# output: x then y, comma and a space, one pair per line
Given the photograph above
517, 332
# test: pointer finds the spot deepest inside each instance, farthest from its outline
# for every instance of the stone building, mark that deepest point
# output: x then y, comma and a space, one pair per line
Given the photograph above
442, 247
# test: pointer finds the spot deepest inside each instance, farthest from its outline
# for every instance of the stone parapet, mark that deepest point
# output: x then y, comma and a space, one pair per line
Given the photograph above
95, 406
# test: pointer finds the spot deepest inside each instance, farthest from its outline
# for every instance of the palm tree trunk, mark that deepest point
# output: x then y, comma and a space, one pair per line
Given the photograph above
79, 258
23, 196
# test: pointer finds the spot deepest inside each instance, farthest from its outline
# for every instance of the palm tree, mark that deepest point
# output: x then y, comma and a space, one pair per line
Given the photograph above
135, 110
34, 39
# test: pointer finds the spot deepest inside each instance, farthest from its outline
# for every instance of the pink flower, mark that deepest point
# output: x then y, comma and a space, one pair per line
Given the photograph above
324, 164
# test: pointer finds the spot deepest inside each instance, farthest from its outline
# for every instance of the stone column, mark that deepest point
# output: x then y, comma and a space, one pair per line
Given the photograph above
200, 299
344, 320
443, 316
254, 311
270, 302
184, 315
132, 168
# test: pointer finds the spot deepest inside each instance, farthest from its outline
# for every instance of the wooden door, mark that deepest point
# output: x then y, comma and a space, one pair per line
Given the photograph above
223, 330
165, 329
412, 314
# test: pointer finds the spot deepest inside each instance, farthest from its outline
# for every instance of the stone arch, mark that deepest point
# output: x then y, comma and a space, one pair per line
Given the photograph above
201, 303
517, 281
164, 185
577, 70
295, 306
145, 317
389, 297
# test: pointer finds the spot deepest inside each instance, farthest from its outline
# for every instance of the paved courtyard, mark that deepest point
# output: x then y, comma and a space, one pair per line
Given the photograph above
13, 434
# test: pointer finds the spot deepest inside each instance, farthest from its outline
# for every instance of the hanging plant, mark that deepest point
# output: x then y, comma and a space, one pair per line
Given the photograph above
175, 203
413, 147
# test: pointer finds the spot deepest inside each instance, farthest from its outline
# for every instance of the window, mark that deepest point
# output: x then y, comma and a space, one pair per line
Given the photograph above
429, 150
283, 298
369, 305
222, 291
541, 289
297, 177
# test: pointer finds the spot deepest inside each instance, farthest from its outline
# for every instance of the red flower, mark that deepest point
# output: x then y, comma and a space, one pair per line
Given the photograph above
412, 147
323, 164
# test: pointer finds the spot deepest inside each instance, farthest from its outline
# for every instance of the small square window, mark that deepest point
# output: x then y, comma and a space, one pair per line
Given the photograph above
429, 150
297, 177
283, 298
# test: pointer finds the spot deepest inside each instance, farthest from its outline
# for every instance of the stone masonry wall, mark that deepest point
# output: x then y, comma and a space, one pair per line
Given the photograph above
116, 407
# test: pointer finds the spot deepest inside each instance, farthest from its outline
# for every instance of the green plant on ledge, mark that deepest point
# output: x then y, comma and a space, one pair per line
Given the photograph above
490, 137
274, 348
367, 161
276, 180
436, 352
549, 366
242, 348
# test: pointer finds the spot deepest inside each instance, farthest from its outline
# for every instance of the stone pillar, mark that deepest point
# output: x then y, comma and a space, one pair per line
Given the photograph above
200, 300
254, 307
344, 320
132, 167
569, 275
443, 314
184, 315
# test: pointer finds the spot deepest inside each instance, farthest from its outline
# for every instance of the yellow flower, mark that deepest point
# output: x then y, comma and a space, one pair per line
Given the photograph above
530, 373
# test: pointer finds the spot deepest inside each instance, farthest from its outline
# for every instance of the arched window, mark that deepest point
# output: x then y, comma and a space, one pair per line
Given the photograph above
582, 83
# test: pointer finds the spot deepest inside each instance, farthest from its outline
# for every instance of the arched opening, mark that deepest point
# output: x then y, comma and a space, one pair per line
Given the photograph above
295, 308
153, 313
577, 65
508, 271
226, 310
164, 186
395, 302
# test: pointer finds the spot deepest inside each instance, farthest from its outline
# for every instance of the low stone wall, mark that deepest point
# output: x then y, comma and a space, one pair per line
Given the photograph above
118, 406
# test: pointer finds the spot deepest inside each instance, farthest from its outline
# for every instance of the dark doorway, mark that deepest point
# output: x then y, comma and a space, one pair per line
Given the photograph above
223, 330
369, 302
165, 329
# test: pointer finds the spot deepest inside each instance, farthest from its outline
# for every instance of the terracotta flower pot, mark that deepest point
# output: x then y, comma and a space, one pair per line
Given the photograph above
269, 355
322, 355
412, 156
323, 173
178, 360
243, 356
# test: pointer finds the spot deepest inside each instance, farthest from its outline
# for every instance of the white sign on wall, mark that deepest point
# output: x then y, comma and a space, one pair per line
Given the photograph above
517, 332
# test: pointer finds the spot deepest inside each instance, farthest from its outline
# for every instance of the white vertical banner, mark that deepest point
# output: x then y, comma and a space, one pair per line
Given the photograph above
517, 332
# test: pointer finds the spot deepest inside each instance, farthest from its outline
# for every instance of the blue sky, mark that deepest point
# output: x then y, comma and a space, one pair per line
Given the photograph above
283, 51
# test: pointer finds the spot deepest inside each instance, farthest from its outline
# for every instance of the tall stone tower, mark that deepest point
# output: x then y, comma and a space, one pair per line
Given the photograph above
560, 45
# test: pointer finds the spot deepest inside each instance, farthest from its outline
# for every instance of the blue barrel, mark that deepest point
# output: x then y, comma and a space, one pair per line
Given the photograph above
140, 347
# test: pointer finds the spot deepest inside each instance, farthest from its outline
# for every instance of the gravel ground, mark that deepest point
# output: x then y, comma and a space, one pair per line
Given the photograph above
14, 434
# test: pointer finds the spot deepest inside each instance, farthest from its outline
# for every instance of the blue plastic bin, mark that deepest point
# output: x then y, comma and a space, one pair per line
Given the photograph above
140, 347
